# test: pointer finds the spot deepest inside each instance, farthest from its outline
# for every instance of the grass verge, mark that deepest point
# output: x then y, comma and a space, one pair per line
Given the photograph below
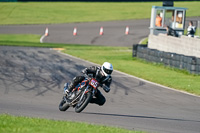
121, 58
14, 124
68, 12
144, 41
18, 37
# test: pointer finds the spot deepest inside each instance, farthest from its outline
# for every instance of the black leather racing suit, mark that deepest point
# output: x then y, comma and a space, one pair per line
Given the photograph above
94, 72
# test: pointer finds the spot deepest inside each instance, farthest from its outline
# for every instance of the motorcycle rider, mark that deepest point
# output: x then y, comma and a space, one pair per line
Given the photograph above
103, 76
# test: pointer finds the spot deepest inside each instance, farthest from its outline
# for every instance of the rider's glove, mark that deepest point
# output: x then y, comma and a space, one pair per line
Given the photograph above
106, 88
84, 71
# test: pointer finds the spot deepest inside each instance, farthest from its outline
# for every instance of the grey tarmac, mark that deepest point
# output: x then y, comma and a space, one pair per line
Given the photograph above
31, 84
88, 32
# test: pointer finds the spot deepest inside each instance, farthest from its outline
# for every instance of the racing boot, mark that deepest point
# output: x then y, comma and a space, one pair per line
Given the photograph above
66, 91
74, 83
68, 88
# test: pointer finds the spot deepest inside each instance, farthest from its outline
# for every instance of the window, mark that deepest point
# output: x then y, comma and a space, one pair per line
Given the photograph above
169, 18
174, 19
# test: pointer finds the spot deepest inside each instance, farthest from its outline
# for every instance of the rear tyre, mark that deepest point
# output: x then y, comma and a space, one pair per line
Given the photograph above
80, 106
63, 106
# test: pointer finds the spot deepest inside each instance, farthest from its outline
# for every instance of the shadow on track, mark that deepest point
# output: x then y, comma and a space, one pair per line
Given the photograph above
141, 117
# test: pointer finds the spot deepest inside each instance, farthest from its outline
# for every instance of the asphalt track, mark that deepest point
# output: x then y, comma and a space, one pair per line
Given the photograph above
31, 82
87, 33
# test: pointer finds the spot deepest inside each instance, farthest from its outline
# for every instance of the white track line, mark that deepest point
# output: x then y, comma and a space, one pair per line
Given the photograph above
127, 75
41, 39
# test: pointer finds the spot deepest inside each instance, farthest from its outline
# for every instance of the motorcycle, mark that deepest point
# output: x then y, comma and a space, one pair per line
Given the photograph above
80, 95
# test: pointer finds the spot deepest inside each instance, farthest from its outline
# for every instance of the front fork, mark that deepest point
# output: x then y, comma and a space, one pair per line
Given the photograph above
85, 91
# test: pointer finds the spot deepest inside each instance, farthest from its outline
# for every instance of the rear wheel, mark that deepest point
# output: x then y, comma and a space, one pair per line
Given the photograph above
80, 106
64, 105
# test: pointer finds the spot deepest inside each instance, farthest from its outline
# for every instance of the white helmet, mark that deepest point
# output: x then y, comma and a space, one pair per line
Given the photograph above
107, 68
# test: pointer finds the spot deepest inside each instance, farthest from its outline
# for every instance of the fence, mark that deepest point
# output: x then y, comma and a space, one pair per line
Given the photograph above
189, 63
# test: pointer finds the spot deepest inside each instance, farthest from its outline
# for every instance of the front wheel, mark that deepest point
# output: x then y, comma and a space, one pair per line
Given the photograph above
83, 103
63, 106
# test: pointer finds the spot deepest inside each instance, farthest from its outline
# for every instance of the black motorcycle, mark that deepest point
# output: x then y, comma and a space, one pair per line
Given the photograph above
80, 95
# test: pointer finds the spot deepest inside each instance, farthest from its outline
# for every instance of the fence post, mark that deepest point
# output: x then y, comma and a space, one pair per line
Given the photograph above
135, 50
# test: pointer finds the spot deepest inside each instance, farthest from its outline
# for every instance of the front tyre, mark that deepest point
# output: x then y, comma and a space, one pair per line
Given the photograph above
63, 106
83, 103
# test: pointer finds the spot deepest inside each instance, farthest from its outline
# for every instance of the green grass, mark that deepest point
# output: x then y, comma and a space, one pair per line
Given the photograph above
19, 37
68, 12
144, 41
121, 58
14, 124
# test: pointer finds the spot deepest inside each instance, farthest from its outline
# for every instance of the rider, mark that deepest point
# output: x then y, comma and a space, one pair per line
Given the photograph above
103, 75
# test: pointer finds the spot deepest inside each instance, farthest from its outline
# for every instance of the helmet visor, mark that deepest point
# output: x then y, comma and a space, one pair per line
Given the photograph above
107, 70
